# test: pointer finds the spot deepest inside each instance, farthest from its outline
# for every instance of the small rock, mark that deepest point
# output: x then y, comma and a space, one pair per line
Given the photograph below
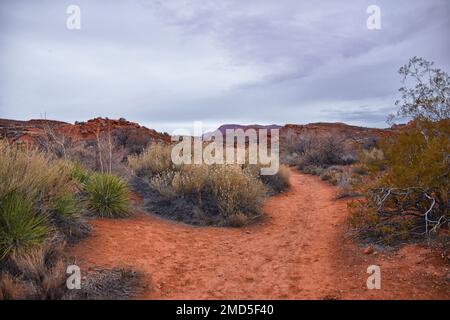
368, 250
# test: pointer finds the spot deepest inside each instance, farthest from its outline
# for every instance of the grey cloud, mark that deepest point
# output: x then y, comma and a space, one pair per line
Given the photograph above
165, 63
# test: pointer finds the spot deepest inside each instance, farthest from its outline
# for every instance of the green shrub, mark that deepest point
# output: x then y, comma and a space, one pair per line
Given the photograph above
21, 226
108, 196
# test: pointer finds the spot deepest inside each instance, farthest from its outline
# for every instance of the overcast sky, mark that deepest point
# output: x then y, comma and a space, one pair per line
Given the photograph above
166, 63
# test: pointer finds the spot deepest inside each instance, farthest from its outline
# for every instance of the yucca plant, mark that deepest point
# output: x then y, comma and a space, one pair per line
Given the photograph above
21, 227
108, 196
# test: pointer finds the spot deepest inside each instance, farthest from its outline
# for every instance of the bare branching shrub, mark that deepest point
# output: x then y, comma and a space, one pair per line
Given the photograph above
309, 150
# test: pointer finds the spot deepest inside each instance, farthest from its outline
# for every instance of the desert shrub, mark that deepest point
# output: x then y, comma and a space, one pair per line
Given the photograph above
108, 196
154, 160
410, 198
235, 191
322, 151
344, 178
162, 183
314, 170
191, 180
278, 182
372, 160
317, 151
21, 226
200, 194
42, 271
33, 173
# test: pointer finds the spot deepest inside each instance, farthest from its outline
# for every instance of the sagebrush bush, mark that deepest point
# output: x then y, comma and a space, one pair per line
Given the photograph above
213, 194
236, 191
108, 196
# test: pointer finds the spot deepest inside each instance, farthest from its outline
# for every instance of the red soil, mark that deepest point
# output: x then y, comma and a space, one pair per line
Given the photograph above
298, 252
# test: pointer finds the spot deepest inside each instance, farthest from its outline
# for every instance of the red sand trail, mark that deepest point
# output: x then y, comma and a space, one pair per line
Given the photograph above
297, 252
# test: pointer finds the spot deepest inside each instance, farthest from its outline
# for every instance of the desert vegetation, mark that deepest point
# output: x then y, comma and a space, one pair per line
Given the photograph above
228, 195
326, 155
408, 195
44, 202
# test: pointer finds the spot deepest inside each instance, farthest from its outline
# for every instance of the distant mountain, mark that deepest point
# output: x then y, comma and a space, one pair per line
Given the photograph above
223, 128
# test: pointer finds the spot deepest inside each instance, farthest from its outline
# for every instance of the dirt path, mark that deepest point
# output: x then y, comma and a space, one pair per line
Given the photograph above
298, 252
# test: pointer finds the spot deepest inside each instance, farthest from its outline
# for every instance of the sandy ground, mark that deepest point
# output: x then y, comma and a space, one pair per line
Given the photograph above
298, 252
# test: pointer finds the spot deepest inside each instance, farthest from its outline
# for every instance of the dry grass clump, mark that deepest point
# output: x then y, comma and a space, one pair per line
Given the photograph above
39, 273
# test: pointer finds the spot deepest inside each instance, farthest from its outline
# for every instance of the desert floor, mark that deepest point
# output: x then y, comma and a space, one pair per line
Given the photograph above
298, 252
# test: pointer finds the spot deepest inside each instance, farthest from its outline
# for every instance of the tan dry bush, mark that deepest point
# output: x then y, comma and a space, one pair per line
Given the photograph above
162, 182
236, 191
191, 180
156, 159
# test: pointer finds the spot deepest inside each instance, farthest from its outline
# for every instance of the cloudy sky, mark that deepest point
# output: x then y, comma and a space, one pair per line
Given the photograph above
166, 63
